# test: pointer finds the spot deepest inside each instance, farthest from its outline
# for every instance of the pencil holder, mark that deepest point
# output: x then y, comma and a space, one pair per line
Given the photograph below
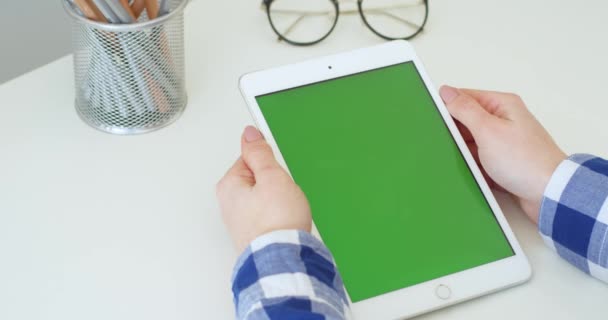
130, 78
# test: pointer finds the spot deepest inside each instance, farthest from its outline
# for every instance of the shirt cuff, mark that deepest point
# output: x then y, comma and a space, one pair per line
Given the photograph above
573, 219
285, 264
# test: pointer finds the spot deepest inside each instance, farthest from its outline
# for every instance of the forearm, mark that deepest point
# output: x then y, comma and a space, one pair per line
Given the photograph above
285, 275
574, 214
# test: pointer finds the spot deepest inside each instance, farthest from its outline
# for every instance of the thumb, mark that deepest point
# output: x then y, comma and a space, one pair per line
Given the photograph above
257, 154
465, 109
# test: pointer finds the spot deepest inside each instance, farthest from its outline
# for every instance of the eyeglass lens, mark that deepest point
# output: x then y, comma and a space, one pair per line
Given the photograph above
302, 21
394, 19
309, 21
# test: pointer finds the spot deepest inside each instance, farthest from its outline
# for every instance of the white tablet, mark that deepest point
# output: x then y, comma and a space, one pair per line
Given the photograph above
394, 191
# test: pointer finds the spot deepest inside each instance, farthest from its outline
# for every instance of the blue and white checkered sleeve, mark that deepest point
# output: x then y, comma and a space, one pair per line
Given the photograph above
286, 275
574, 214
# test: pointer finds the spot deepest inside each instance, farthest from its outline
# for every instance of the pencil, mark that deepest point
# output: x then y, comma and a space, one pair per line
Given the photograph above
152, 8
120, 12
127, 7
98, 13
105, 9
138, 7
164, 7
90, 10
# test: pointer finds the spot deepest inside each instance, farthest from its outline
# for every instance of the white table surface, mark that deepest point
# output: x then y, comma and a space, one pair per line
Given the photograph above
96, 226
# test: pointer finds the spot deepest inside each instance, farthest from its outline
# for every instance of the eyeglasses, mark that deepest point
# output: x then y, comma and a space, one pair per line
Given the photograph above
307, 22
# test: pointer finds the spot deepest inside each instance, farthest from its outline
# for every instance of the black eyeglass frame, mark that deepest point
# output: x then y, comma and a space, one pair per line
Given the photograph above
268, 4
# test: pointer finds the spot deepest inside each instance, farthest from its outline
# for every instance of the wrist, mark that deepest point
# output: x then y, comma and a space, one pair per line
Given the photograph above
248, 238
273, 236
532, 205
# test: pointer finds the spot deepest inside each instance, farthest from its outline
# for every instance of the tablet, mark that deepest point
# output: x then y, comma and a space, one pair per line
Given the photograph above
395, 194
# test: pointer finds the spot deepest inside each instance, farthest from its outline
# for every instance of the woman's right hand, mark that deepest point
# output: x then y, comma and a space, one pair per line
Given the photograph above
257, 196
511, 146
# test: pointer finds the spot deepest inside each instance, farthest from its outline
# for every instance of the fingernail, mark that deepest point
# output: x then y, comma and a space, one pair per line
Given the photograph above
252, 134
448, 94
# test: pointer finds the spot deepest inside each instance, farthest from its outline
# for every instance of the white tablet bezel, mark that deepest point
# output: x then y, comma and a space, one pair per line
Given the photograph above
423, 297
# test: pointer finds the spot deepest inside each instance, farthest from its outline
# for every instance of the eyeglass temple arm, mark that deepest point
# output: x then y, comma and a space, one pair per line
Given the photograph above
292, 26
329, 12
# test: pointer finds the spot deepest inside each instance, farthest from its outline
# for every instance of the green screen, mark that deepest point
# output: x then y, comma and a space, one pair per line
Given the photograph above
391, 194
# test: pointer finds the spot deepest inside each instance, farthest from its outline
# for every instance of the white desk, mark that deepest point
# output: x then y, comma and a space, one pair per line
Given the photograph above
95, 226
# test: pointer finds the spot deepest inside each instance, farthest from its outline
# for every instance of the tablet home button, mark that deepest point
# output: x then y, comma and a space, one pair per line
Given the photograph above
443, 292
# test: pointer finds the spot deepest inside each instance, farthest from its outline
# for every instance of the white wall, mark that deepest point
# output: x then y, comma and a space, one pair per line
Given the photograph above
33, 33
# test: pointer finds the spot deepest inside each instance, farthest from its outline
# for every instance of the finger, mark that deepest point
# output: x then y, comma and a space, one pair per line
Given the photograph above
475, 152
466, 133
501, 104
238, 176
489, 180
240, 171
257, 154
466, 109
491, 183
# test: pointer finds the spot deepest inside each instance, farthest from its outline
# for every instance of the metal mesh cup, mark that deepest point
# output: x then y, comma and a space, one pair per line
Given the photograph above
130, 78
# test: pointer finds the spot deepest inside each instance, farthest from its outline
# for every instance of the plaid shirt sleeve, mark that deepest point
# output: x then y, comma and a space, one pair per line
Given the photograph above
574, 214
286, 275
